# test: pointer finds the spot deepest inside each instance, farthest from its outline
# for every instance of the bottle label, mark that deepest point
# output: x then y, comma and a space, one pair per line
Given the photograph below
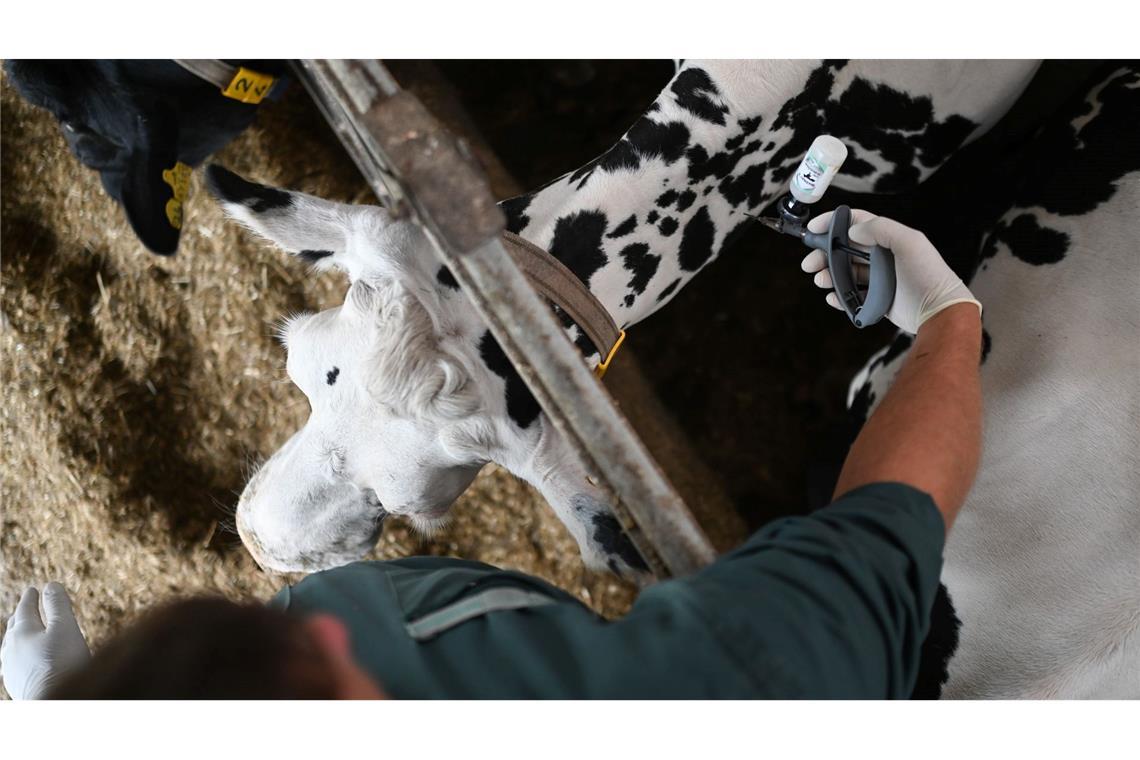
813, 176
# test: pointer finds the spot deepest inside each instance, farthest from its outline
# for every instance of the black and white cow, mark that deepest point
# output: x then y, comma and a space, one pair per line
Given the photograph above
410, 393
1043, 564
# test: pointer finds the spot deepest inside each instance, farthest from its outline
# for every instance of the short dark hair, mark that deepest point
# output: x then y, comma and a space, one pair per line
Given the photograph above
205, 648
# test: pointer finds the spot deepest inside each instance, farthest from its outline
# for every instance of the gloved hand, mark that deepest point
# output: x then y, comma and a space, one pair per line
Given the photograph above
924, 285
34, 657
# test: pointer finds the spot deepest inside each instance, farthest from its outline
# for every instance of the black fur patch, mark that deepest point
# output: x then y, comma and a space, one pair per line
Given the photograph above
645, 139
694, 91
313, 257
666, 198
1028, 241
901, 128
642, 265
652, 217
227, 186
614, 542
626, 227
521, 405
685, 199
446, 278
583, 342
697, 241
668, 291
668, 226
940, 644
515, 209
650, 139
577, 243
331, 375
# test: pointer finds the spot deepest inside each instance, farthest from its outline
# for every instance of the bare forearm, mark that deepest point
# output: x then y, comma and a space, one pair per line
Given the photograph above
927, 431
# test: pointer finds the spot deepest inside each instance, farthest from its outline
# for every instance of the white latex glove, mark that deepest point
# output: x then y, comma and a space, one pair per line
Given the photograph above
924, 284
37, 652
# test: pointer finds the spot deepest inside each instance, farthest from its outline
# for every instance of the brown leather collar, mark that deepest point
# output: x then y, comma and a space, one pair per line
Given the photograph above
552, 280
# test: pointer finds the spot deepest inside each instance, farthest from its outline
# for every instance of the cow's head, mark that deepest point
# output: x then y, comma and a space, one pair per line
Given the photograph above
410, 397
397, 424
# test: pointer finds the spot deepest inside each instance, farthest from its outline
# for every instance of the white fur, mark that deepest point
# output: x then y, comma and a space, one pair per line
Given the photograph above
1043, 563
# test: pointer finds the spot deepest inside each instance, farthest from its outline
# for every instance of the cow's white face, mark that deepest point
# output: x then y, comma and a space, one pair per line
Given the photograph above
321, 499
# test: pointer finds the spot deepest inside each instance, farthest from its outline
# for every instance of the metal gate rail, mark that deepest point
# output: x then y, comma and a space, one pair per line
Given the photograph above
418, 169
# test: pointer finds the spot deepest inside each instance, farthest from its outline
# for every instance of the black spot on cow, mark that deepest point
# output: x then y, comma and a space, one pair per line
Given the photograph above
901, 128
521, 405
653, 140
855, 166
312, 257
1028, 241
694, 91
642, 265
652, 217
646, 139
668, 226
668, 291
737, 186
614, 542
747, 128
666, 198
626, 227
685, 199
331, 375
581, 340
514, 209
227, 186
620, 156
940, 644
697, 241
1071, 173
577, 243
446, 278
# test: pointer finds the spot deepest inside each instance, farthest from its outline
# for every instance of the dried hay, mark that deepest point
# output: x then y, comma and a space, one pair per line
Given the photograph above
138, 389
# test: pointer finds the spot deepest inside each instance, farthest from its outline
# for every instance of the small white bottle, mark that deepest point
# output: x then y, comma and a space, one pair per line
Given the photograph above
818, 168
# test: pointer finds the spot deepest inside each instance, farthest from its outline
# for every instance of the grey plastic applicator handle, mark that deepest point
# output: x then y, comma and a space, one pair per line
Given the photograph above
835, 243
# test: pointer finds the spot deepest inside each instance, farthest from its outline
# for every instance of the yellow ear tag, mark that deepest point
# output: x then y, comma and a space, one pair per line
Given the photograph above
249, 86
604, 364
179, 180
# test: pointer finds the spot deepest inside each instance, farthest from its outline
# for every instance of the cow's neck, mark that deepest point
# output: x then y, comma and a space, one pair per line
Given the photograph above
640, 221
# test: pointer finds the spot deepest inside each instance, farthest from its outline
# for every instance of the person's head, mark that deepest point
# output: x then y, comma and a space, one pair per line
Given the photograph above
211, 648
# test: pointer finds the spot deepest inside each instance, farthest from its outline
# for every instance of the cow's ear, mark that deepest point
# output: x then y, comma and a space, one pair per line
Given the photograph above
314, 229
155, 183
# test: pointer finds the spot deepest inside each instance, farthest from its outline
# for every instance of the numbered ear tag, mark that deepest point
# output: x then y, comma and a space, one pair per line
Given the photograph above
178, 177
249, 86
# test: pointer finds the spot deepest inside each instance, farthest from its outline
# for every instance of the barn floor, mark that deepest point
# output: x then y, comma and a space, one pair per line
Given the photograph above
137, 389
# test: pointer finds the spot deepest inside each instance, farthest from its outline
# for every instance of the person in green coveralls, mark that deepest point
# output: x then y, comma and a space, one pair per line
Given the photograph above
831, 604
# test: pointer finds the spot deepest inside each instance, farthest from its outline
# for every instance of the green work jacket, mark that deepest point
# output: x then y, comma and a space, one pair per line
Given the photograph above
831, 604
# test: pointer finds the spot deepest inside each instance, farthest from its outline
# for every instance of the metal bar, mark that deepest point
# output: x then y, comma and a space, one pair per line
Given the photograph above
413, 163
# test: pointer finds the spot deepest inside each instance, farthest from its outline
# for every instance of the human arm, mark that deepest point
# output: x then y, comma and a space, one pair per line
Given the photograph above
927, 430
